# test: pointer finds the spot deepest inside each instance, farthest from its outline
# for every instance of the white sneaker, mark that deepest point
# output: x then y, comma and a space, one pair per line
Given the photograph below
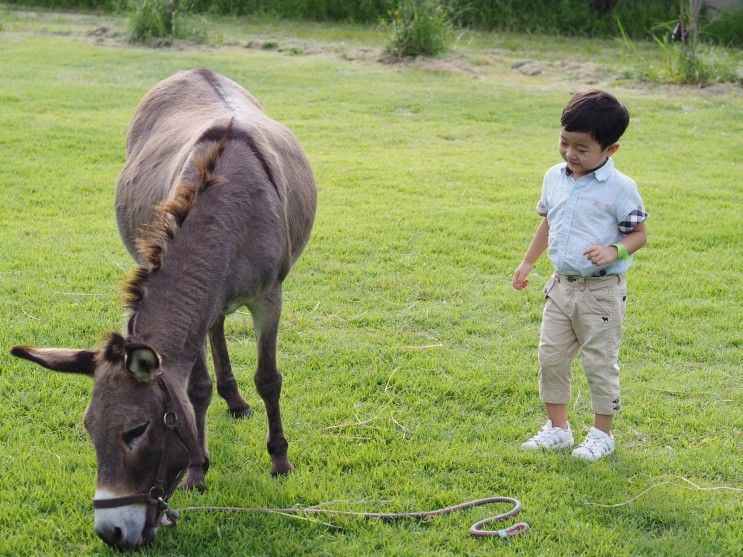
597, 445
550, 437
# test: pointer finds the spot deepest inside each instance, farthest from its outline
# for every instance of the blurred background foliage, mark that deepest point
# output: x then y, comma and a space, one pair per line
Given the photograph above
639, 18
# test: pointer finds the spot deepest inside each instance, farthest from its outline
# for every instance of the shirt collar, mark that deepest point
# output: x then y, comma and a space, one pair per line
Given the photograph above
601, 174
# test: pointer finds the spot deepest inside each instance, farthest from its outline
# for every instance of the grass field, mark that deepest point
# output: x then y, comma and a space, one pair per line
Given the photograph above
409, 360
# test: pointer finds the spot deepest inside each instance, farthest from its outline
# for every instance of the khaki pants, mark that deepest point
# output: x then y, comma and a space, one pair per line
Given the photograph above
585, 314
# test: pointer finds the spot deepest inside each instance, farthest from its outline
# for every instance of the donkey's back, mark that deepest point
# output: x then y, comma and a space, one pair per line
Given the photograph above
173, 124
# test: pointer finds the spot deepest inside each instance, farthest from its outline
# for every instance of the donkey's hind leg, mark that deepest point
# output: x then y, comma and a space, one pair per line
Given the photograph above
266, 315
226, 383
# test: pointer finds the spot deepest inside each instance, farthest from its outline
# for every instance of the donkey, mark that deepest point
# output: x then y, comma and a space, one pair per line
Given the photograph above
215, 203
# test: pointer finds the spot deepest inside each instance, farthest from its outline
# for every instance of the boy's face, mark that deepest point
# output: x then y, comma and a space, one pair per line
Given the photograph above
582, 152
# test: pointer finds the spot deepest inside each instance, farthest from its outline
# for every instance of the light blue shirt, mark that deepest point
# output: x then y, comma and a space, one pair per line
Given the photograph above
599, 208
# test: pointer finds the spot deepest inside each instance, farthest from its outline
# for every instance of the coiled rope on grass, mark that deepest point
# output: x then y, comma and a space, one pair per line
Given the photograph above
477, 529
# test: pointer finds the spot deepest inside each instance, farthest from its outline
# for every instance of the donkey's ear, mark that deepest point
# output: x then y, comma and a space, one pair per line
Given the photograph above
59, 359
142, 361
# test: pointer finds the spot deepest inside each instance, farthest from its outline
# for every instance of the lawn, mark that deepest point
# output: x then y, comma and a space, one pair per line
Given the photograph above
409, 361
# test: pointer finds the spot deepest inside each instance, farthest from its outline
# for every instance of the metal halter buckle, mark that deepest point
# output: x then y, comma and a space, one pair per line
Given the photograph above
170, 419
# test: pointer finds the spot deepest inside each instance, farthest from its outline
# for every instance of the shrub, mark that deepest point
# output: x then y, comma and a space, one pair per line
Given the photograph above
682, 62
363, 11
419, 27
726, 28
151, 19
563, 17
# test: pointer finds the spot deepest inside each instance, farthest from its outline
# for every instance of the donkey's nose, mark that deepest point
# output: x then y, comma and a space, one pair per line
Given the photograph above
120, 527
110, 534
117, 531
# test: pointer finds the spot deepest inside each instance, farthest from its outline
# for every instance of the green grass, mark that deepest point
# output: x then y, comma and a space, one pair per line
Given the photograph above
399, 319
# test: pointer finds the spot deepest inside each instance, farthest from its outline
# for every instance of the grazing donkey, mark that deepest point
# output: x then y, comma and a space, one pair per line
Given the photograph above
215, 203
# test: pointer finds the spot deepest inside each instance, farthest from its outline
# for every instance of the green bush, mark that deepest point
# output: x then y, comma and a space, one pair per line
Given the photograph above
725, 27
563, 17
362, 11
419, 27
681, 63
105, 5
152, 19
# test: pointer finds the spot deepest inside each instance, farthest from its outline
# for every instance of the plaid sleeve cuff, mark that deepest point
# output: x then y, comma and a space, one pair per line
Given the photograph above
541, 209
630, 222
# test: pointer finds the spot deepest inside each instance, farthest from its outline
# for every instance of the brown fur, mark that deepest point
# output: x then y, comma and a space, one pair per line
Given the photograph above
215, 203
169, 216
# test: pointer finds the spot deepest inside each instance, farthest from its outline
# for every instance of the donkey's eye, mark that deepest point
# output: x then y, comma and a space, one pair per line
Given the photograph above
133, 434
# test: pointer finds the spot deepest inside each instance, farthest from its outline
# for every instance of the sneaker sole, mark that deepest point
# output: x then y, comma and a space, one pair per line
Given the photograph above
548, 448
587, 459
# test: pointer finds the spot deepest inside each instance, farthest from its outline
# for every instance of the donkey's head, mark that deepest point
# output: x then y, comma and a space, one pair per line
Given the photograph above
142, 429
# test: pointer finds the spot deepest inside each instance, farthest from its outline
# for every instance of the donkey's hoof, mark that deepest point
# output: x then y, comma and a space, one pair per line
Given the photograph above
191, 485
241, 412
194, 480
281, 469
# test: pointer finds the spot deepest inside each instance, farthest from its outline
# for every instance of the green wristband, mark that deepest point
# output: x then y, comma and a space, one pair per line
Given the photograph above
622, 252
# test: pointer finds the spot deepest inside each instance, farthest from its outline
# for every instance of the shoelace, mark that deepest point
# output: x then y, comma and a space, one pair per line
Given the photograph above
595, 445
546, 434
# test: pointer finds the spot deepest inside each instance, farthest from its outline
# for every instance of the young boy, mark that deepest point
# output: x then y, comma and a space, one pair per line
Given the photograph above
592, 223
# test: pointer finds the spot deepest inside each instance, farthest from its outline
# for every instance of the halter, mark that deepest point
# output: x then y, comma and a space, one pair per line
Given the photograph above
156, 497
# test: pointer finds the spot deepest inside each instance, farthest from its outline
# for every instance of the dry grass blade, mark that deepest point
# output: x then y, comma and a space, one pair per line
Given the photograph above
667, 482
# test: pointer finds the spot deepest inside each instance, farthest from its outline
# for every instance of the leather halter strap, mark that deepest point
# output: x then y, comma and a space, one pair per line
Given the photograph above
156, 496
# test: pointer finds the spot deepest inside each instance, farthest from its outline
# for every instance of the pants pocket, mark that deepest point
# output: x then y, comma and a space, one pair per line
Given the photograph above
609, 300
549, 285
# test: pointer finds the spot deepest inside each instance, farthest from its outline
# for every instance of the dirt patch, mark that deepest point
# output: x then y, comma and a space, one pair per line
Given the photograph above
489, 63
364, 54
102, 33
448, 65
586, 73
528, 67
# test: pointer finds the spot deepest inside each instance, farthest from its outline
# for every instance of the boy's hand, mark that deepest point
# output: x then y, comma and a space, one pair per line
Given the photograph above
519, 276
601, 255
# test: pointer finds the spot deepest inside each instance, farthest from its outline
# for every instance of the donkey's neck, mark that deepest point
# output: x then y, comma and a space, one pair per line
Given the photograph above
186, 295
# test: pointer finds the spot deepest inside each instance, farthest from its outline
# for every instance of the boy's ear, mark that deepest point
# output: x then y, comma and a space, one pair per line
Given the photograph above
611, 149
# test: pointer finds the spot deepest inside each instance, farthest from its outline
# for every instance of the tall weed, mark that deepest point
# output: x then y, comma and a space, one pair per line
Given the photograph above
678, 64
562, 17
362, 11
419, 27
153, 19
725, 27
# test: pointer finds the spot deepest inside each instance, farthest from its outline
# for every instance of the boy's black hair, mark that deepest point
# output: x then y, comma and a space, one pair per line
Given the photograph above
598, 114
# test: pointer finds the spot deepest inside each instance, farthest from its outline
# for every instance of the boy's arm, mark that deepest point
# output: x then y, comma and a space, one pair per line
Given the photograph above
601, 255
536, 248
635, 239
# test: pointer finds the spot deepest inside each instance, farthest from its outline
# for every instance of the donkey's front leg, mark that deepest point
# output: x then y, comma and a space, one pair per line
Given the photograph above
266, 315
226, 383
200, 394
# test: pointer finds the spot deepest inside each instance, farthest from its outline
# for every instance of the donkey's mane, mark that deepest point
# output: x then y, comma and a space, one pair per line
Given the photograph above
169, 215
